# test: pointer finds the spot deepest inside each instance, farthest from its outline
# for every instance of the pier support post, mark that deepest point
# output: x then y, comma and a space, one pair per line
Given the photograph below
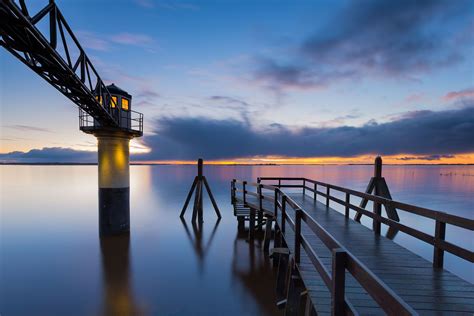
199, 185
378, 186
114, 182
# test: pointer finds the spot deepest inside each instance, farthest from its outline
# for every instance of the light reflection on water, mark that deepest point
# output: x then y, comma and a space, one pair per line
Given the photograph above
51, 256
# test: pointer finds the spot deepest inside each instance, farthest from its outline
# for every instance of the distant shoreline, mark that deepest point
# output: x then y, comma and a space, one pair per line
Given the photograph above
230, 164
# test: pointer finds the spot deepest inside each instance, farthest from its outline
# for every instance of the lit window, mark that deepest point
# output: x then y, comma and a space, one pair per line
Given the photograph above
124, 104
99, 98
113, 104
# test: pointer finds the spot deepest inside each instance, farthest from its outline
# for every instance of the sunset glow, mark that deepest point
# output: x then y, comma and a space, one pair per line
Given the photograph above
366, 159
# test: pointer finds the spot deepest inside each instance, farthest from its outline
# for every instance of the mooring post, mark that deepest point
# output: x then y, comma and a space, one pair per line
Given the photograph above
199, 185
377, 186
200, 168
378, 167
199, 206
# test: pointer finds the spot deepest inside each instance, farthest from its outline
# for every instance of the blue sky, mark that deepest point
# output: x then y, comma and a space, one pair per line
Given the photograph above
271, 68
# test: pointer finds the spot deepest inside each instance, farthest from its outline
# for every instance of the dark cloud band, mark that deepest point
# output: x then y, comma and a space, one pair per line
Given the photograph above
420, 133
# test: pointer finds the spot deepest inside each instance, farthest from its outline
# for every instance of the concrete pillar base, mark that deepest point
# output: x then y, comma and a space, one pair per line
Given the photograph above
114, 210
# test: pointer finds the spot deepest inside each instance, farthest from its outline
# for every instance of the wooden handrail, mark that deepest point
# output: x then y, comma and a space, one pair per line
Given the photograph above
441, 218
343, 260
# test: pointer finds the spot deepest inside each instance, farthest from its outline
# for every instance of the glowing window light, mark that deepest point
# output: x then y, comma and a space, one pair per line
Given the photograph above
124, 104
113, 103
99, 99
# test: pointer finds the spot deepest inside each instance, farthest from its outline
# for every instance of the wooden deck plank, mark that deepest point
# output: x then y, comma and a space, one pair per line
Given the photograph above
413, 278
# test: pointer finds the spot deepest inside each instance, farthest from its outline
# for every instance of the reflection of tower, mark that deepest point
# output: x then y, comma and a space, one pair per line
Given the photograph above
118, 298
252, 267
197, 240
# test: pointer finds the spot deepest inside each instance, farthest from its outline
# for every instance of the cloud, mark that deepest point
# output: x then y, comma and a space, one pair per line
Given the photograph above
277, 75
339, 120
50, 155
133, 39
427, 158
421, 133
231, 100
101, 42
426, 135
458, 95
92, 41
397, 39
20, 127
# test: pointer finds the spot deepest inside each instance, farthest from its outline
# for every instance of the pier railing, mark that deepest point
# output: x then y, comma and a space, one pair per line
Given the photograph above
440, 245
342, 259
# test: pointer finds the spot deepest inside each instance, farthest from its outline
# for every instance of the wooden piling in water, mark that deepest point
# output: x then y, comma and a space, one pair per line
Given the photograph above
199, 184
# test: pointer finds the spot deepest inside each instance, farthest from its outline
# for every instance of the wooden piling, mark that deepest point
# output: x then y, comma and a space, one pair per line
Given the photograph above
199, 184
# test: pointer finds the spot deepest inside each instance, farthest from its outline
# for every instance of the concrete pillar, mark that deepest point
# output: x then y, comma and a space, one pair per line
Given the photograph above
114, 182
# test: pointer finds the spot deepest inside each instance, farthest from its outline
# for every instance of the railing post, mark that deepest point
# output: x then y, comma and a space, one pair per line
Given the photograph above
348, 202
244, 184
283, 213
376, 224
304, 187
297, 234
315, 196
275, 211
438, 253
279, 183
339, 258
327, 194
260, 206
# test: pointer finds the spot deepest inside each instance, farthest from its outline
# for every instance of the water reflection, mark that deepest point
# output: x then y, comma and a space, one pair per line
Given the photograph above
197, 240
49, 219
118, 294
254, 270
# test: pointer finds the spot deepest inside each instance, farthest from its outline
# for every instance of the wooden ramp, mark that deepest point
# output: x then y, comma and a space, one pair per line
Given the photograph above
409, 279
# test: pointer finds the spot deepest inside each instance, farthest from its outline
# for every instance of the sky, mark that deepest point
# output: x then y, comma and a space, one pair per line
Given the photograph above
262, 82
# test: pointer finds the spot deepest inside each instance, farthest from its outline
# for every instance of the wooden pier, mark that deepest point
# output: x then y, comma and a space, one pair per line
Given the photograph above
328, 263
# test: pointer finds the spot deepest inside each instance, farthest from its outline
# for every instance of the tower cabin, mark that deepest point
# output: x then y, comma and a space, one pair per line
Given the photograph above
120, 106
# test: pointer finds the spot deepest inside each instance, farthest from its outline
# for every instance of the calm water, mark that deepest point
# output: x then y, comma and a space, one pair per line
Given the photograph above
53, 262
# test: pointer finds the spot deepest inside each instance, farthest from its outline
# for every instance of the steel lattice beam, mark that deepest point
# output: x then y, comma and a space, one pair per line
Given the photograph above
73, 76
